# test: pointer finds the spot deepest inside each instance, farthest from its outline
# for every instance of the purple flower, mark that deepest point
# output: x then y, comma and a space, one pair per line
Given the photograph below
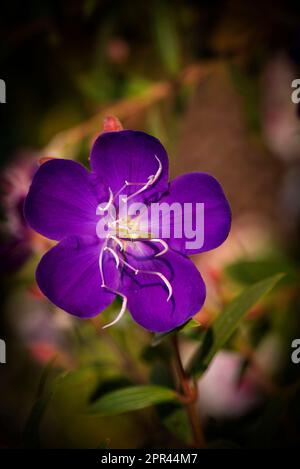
85, 272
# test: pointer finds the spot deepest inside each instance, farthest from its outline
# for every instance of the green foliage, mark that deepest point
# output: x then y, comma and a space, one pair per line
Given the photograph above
31, 437
131, 398
177, 423
191, 324
212, 340
248, 86
247, 272
166, 37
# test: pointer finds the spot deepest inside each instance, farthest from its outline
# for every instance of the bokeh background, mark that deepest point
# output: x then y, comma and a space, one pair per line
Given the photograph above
212, 80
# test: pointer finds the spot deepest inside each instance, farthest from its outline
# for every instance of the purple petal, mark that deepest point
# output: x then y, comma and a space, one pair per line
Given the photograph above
62, 200
147, 293
212, 229
69, 276
130, 156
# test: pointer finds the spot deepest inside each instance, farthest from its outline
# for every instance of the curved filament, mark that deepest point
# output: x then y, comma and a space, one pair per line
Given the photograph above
103, 285
151, 180
151, 272
122, 310
163, 278
117, 240
108, 204
163, 243
116, 257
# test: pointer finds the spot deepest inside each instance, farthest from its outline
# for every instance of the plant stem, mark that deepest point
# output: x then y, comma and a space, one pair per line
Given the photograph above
125, 359
191, 394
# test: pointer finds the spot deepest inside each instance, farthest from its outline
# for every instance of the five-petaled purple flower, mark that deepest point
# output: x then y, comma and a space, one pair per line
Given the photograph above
84, 273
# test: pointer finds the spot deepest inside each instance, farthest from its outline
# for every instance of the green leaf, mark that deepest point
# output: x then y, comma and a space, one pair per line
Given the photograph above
31, 437
159, 337
249, 271
212, 340
166, 36
178, 424
45, 392
247, 84
191, 324
131, 398
104, 444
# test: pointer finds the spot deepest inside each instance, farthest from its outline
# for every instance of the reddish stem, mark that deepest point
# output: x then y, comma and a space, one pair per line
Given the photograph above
191, 396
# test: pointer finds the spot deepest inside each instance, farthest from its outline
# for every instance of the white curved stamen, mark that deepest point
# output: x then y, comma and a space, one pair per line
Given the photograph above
110, 201
103, 285
119, 191
116, 257
151, 272
164, 279
117, 240
151, 180
115, 222
158, 172
129, 183
163, 243
101, 267
136, 271
142, 189
122, 310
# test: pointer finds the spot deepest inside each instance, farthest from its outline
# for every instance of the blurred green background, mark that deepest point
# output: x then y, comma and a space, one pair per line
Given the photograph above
212, 80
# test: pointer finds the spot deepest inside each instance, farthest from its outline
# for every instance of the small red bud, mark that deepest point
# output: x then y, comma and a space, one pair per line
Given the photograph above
112, 124
44, 159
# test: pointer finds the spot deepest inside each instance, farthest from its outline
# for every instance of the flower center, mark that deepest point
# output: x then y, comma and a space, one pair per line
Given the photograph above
129, 228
